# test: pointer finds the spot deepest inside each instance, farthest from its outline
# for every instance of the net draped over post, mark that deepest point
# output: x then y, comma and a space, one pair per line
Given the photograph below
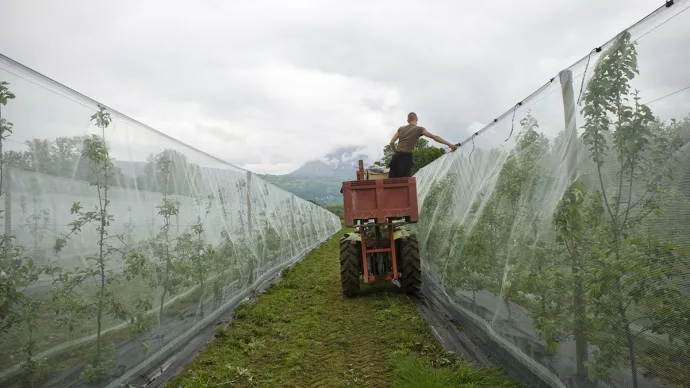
120, 244
566, 247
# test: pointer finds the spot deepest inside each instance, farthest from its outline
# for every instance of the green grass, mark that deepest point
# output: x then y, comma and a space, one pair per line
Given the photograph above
336, 209
413, 372
303, 333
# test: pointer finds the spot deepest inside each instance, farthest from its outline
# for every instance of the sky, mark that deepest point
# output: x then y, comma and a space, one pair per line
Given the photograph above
270, 85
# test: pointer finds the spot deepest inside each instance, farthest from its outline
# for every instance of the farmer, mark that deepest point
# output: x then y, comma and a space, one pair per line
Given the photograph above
407, 136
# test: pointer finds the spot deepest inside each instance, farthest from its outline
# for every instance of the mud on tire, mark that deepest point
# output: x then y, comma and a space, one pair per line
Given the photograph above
411, 265
349, 267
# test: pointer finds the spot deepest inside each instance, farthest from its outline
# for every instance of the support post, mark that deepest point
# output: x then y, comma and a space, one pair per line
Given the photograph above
252, 258
570, 157
293, 230
7, 191
249, 202
569, 110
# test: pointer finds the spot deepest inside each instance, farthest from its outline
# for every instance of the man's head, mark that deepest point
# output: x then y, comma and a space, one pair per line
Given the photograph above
412, 118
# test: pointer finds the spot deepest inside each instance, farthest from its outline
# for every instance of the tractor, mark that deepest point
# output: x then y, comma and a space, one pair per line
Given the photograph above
380, 249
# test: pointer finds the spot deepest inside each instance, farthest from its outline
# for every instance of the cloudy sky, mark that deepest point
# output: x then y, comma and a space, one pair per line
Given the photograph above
269, 85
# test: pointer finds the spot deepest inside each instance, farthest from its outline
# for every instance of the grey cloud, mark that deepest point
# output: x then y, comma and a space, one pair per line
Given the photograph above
453, 63
221, 133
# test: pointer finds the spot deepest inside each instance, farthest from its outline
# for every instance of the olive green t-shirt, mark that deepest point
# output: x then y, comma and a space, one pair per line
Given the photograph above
407, 137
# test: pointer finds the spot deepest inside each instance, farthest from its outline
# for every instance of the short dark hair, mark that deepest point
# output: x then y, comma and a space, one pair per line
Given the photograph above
411, 117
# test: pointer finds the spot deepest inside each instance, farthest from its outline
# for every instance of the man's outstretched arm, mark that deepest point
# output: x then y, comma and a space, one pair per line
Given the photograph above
438, 139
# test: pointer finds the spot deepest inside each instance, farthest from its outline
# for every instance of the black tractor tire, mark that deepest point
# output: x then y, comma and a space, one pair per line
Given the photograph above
349, 267
411, 268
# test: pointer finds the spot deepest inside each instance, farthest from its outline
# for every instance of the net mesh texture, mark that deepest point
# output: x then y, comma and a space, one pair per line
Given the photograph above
561, 231
120, 244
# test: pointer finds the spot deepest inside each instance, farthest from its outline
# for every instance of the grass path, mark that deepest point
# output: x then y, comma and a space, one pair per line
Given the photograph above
303, 333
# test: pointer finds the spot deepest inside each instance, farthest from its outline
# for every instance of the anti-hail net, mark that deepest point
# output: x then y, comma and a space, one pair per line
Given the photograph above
121, 244
567, 246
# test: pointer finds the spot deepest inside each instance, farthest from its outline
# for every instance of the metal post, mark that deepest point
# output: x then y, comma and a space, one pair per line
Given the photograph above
394, 259
365, 265
293, 230
249, 203
249, 227
7, 183
570, 156
569, 109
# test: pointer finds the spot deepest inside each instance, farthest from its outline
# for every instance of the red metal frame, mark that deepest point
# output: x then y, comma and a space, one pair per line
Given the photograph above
380, 200
391, 249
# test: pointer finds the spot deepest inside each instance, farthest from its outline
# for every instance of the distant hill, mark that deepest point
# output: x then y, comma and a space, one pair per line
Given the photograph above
323, 190
321, 180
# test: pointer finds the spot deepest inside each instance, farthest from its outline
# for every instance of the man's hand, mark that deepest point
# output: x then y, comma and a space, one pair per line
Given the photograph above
439, 139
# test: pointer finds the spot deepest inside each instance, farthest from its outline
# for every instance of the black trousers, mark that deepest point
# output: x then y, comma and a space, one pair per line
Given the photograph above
401, 165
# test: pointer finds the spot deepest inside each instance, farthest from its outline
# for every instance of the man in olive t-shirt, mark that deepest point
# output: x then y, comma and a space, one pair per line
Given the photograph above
407, 136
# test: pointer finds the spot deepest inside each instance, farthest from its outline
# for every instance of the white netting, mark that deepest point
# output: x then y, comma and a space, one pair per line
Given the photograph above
567, 246
119, 243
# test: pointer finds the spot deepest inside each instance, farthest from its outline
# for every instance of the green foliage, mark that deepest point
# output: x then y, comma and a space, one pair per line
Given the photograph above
5, 126
422, 154
433, 226
107, 289
37, 220
17, 309
325, 190
196, 257
18, 271
624, 273
168, 267
70, 305
224, 263
338, 210
591, 268
180, 176
283, 338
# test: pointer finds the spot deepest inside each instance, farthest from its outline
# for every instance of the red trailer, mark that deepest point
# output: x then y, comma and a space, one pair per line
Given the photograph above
379, 249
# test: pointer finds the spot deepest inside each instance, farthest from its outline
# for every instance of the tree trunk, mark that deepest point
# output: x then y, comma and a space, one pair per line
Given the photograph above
101, 293
201, 289
631, 344
580, 324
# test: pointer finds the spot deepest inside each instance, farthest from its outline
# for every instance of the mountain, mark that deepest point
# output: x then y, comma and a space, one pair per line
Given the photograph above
321, 180
316, 169
342, 162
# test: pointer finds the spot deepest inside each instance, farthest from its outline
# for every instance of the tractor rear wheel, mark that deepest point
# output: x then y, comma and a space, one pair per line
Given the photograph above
349, 267
411, 265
